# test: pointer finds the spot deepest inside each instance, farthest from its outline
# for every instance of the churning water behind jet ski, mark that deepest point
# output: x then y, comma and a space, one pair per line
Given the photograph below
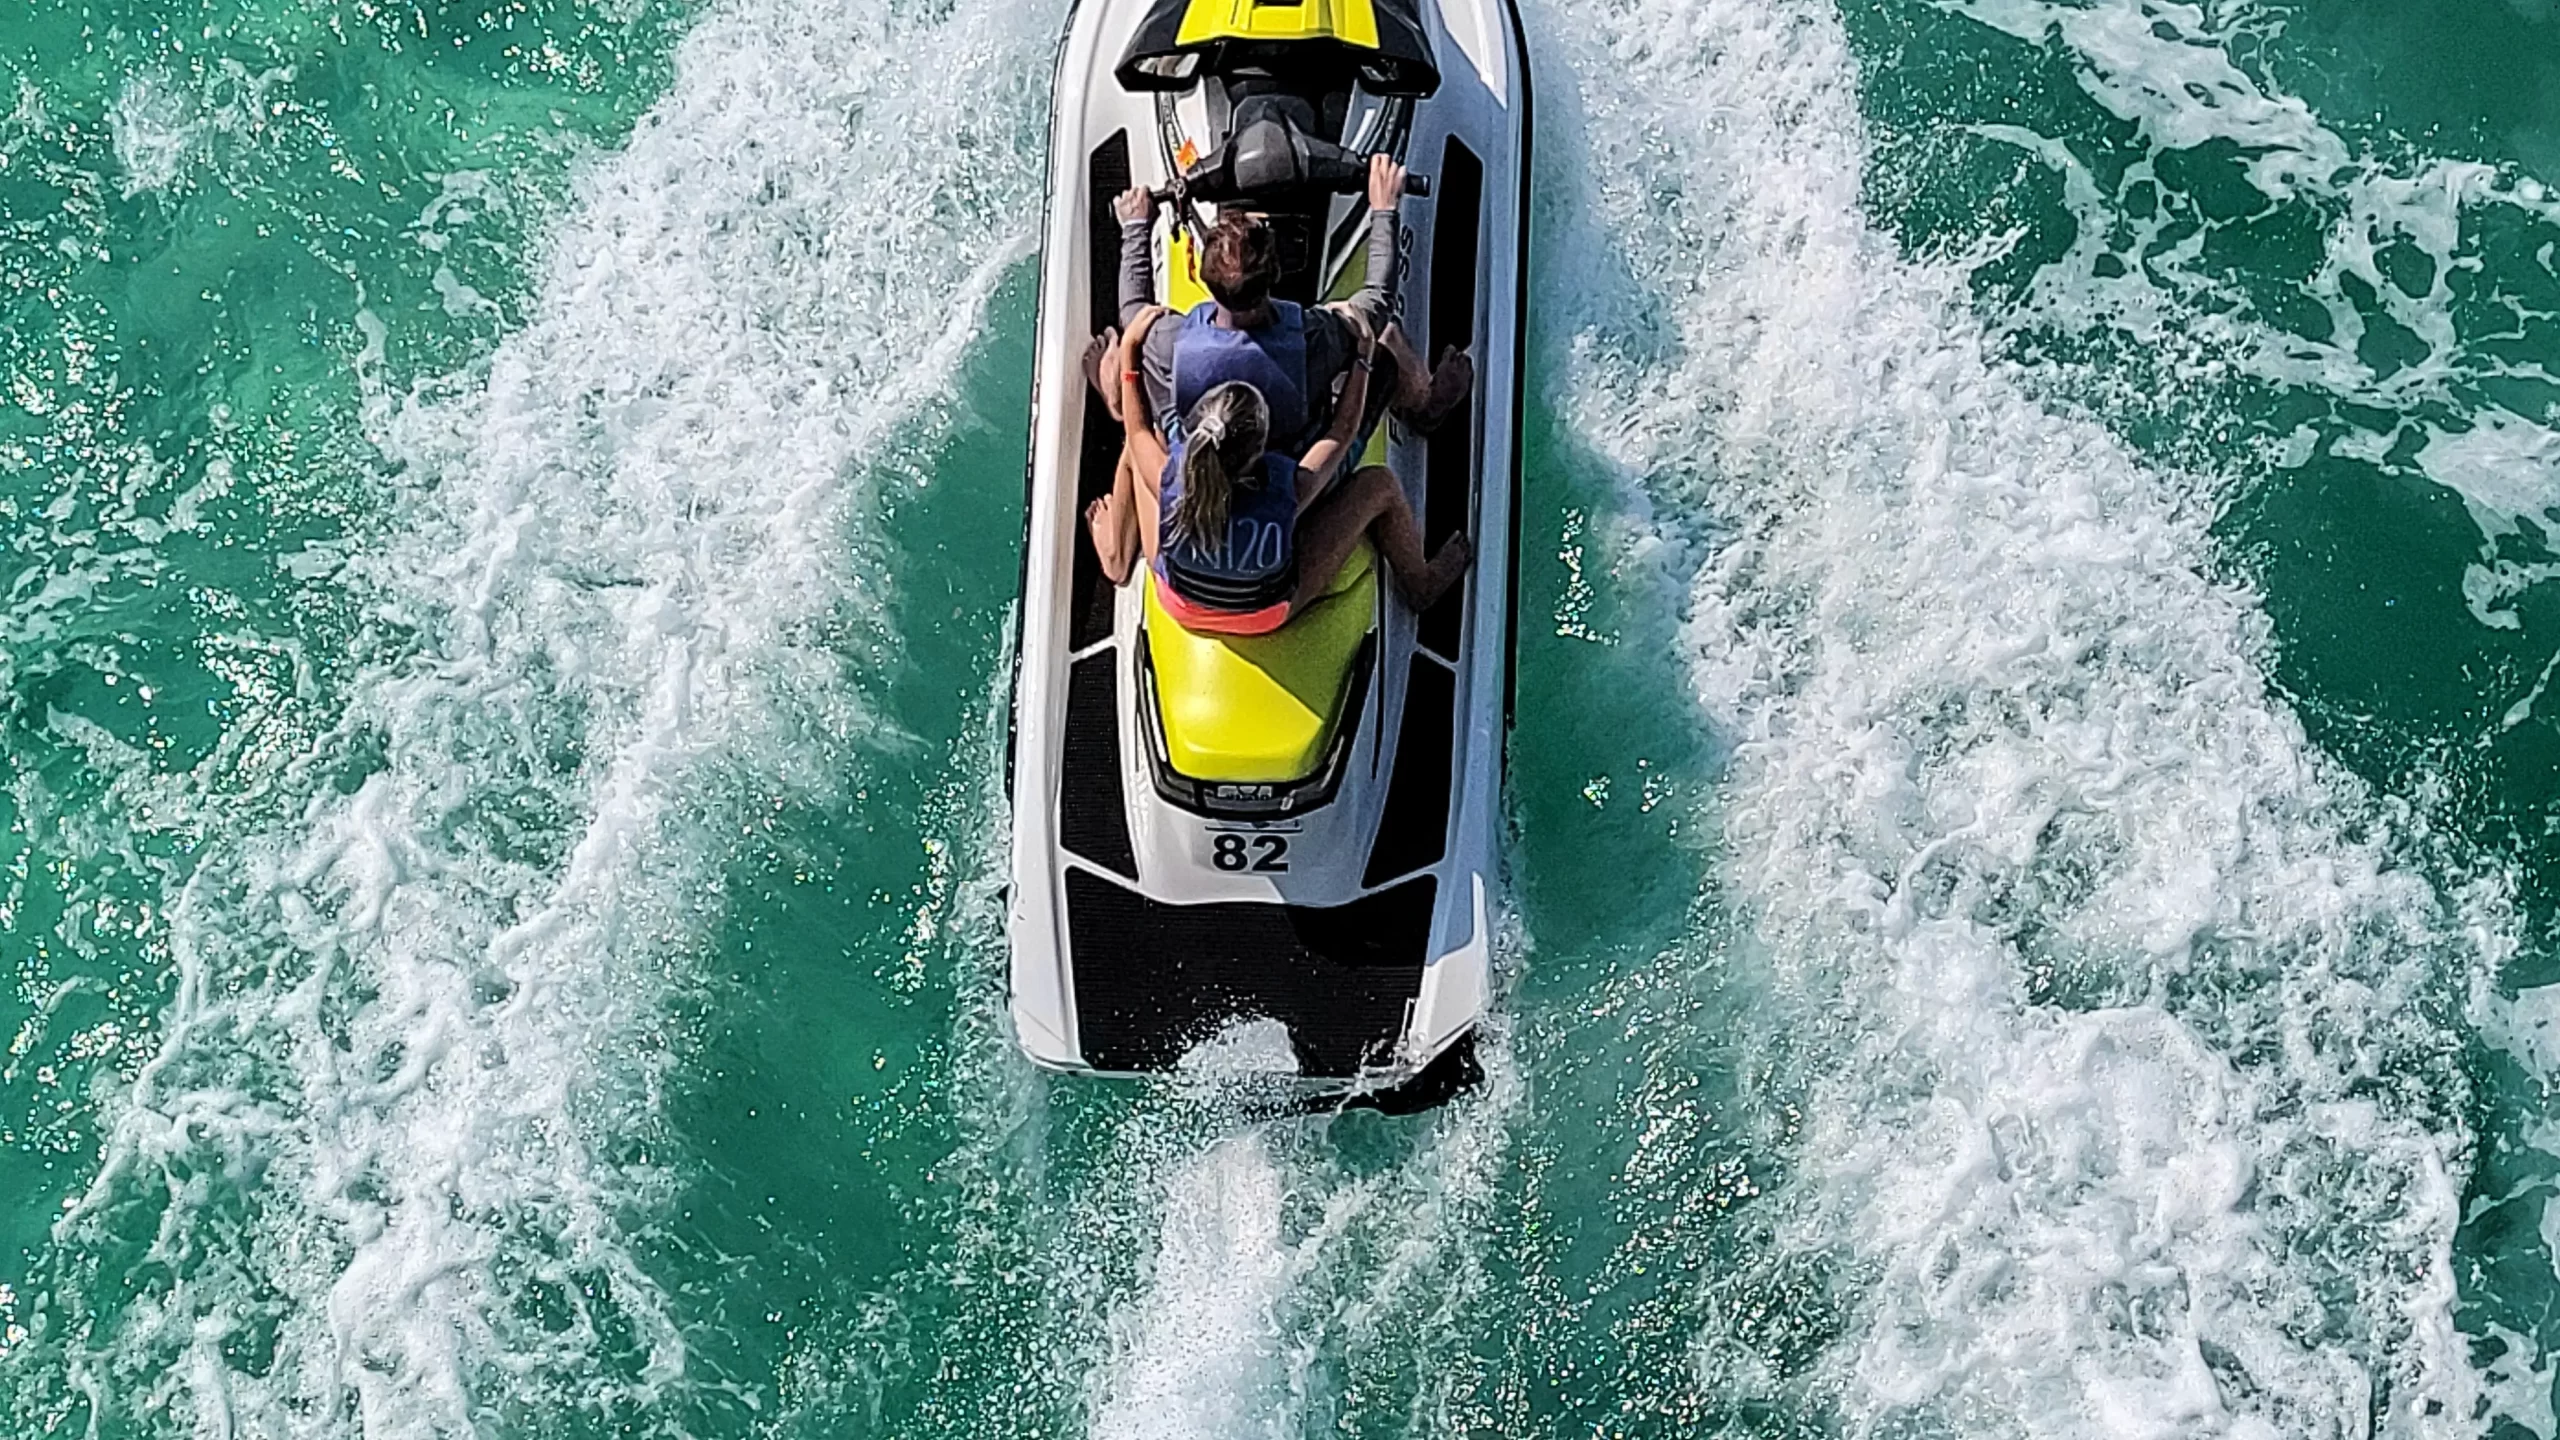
1212, 832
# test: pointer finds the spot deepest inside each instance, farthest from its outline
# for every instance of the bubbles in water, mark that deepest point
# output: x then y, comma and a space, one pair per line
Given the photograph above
1201, 1353
1247, 1047
2252, 239
164, 125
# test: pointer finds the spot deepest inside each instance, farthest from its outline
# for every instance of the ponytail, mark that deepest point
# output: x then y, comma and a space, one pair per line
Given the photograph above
1199, 519
1230, 427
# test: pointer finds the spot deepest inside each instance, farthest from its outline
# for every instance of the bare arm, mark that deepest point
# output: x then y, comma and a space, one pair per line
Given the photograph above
1324, 458
1137, 429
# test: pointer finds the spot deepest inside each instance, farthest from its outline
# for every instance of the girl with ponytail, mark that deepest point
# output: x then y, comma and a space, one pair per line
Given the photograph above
1233, 531
1221, 453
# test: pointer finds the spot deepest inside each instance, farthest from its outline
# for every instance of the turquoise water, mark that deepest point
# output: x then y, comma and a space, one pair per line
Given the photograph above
2031, 870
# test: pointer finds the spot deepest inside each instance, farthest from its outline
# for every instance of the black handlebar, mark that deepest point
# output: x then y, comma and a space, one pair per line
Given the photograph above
1416, 185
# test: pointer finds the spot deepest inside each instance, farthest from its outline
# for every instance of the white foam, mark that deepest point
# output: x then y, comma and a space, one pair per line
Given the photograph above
421, 1028
154, 130
2528, 1027
1202, 1353
2519, 1389
1247, 1047
2107, 957
1275, 1272
164, 125
2504, 466
27, 117
2172, 70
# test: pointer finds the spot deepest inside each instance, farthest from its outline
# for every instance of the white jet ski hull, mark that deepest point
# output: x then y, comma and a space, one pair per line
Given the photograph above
1141, 928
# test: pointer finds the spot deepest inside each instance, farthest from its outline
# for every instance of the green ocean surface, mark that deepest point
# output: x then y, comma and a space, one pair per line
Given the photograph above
2031, 861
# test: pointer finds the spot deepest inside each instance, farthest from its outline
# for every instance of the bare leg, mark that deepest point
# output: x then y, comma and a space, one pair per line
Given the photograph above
1112, 521
1424, 395
1101, 366
1372, 503
1412, 377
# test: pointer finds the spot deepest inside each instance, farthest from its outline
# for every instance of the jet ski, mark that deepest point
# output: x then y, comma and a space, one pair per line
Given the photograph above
1278, 851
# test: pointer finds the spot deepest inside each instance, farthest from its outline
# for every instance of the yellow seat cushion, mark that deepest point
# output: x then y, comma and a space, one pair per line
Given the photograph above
1259, 709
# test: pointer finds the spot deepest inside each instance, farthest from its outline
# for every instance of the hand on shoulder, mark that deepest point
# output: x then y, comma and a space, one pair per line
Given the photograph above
1136, 335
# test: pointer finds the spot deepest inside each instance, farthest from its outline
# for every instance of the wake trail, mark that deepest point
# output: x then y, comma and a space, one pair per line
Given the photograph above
1278, 1282
2136, 1106
389, 1172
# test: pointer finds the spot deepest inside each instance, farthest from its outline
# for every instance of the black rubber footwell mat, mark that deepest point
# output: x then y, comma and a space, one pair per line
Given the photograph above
1098, 455
1450, 472
1415, 830
1152, 980
1093, 817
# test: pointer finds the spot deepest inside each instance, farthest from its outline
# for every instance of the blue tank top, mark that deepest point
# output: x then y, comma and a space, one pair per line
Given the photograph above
1272, 359
1259, 566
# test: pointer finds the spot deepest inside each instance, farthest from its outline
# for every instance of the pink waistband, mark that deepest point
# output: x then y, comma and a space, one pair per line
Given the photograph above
1203, 620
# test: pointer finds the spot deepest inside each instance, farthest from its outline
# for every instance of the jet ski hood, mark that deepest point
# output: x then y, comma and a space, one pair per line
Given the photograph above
1384, 40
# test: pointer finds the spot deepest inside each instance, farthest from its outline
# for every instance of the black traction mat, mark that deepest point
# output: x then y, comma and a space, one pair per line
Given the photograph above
1153, 980
1093, 814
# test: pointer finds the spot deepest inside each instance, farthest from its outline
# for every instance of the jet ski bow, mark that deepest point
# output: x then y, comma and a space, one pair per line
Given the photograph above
1286, 842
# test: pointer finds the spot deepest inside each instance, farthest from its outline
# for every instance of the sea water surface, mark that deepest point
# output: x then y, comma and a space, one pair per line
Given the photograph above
2032, 870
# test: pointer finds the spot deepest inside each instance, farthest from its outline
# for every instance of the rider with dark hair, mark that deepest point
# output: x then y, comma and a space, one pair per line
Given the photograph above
1240, 263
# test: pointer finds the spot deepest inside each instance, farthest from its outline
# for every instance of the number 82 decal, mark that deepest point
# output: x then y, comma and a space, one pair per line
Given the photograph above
1259, 854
